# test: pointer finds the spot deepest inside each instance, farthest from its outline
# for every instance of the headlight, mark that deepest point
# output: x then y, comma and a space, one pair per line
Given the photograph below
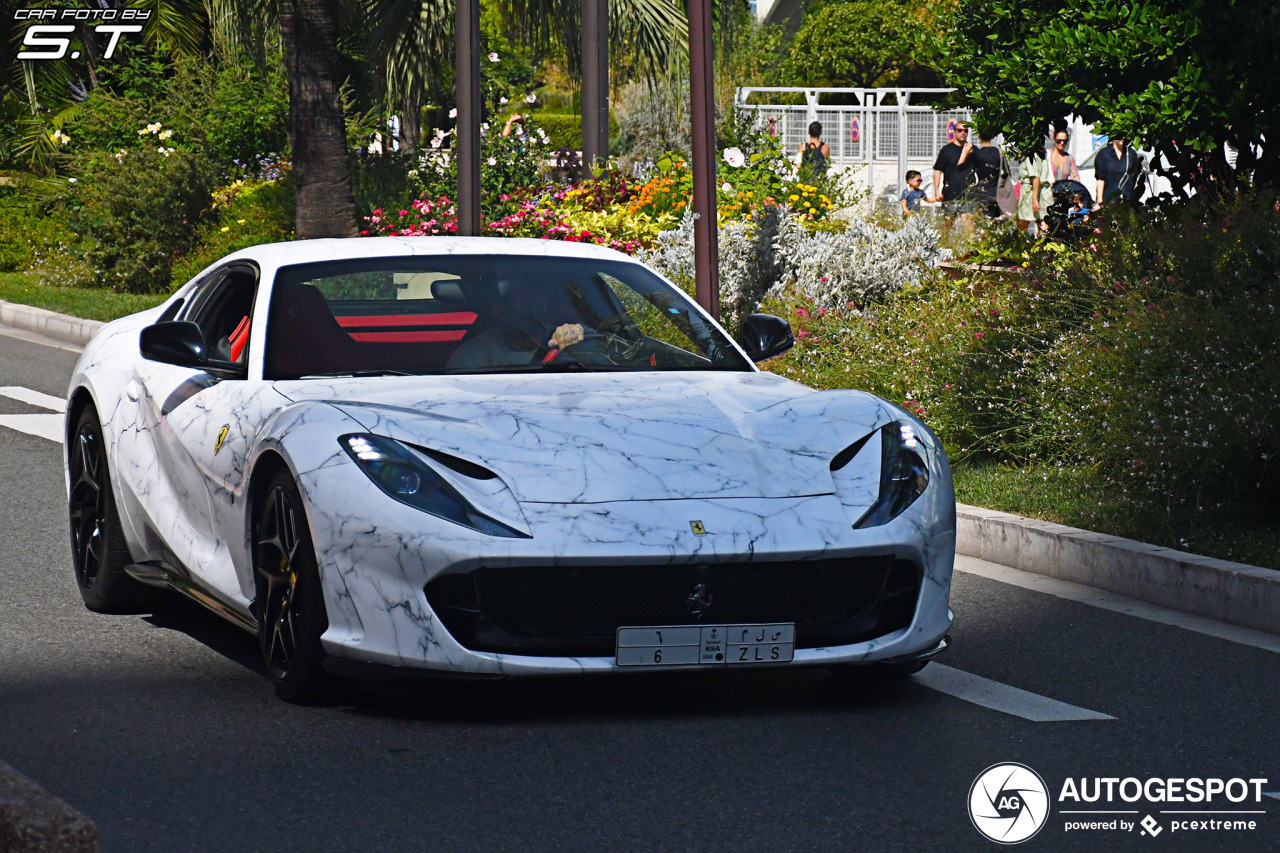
903, 474
402, 475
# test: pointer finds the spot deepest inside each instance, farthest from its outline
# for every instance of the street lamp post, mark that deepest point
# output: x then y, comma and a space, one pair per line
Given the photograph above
595, 83
466, 76
702, 88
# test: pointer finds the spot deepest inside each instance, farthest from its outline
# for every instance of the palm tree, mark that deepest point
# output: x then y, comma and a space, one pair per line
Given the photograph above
325, 205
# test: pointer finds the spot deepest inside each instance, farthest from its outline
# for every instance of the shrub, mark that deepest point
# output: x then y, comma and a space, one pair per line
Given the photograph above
256, 212
138, 214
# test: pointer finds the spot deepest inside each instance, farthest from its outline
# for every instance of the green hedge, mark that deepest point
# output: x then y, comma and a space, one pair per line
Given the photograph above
565, 129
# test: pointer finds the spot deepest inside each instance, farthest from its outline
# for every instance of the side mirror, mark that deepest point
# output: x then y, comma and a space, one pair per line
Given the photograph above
175, 342
763, 336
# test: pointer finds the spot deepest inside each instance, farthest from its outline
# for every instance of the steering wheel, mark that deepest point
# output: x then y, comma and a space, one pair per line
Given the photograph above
602, 348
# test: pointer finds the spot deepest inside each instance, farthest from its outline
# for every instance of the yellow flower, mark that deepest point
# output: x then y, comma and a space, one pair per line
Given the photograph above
226, 228
793, 197
239, 221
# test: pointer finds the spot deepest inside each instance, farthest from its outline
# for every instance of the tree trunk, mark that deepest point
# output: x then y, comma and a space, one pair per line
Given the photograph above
317, 132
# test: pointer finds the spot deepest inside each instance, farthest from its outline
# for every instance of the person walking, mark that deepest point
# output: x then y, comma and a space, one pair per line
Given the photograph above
1034, 195
814, 154
1062, 165
988, 163
953, 176
1116, 169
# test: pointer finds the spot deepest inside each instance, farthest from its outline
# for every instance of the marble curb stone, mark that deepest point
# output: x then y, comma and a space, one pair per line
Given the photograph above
34, 821
62, 327
1218, 589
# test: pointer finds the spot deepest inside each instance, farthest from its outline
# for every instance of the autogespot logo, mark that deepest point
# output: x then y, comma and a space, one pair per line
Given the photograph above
1008, 803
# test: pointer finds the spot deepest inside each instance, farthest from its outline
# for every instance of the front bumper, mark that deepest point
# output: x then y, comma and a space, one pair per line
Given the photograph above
377, 558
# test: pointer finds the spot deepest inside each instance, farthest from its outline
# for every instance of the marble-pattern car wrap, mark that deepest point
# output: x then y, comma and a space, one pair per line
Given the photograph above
595, 468
377, 554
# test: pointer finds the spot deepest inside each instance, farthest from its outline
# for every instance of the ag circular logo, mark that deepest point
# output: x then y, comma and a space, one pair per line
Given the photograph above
1008, 803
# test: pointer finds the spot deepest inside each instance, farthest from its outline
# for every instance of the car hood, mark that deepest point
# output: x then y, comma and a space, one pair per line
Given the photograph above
599, 437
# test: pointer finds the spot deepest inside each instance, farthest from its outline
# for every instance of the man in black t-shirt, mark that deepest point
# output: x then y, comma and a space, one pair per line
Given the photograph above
953, 174
1116, 169
988, 164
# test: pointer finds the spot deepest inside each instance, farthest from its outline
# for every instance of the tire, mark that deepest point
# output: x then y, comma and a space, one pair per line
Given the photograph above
98, 549
288, 604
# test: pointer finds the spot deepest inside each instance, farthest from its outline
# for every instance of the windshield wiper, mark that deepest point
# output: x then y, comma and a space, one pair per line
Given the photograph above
357, 373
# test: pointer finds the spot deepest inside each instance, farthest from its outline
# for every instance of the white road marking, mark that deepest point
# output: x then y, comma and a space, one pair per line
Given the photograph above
1001, 697
1118, 603
44, 426
33, 398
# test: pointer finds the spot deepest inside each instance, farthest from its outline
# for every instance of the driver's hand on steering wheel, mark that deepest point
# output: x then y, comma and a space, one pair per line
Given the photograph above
567, 335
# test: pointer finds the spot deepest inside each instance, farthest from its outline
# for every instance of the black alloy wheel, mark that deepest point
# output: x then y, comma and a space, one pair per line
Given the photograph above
289, 605
99, 552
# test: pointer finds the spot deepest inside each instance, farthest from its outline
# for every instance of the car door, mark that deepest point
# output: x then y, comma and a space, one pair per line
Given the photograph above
201, 423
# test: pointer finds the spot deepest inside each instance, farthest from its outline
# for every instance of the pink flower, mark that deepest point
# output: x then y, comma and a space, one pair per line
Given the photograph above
824, 278
978, 336
1097, 231
802, 312
1093, 247
821, 311
404, 213
803, 333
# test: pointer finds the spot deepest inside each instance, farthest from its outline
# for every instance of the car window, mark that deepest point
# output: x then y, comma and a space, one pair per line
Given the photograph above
484, 313
222, 308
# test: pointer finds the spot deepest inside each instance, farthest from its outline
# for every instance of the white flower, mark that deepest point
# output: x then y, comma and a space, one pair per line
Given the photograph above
439, 133
542, 134
530, 98
71, 180
726, 187
436, 140
493, 57
734, 157
142, 132
453, 113
165, 134
492, 161
502, 100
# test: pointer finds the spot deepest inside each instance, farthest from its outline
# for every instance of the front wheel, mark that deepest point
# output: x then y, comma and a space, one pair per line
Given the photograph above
99, 553
289, 605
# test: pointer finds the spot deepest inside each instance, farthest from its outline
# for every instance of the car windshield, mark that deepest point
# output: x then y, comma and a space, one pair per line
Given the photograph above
453, 314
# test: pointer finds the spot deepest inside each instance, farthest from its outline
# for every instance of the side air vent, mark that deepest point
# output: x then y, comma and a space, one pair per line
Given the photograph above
844, 457
461, 466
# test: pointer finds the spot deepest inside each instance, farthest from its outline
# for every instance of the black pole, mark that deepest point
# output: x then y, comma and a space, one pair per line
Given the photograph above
702, 87
595, 82
466, 75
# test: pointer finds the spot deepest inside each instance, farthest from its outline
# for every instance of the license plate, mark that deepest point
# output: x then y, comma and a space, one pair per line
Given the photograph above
709, 645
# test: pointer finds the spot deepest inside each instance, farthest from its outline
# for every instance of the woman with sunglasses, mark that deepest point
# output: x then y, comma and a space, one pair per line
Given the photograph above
1061, 164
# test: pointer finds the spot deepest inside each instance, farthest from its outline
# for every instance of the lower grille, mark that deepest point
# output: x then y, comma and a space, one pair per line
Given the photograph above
568, 611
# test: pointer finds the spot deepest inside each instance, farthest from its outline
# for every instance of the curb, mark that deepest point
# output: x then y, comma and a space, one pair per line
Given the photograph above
1218, 589
62, 327
34, 821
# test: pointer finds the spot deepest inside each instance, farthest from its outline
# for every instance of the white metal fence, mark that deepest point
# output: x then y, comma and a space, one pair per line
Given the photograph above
882, 132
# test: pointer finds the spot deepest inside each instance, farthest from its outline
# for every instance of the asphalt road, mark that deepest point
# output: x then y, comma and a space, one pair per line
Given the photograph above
162, 729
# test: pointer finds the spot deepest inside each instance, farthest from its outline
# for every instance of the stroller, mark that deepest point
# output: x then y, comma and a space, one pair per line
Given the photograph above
1061, 222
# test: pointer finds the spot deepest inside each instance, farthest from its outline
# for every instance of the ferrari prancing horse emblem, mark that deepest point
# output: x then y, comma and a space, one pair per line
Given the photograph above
222, 436
698, 529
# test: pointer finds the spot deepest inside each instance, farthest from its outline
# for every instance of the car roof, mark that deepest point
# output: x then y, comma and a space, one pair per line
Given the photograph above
337, 249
